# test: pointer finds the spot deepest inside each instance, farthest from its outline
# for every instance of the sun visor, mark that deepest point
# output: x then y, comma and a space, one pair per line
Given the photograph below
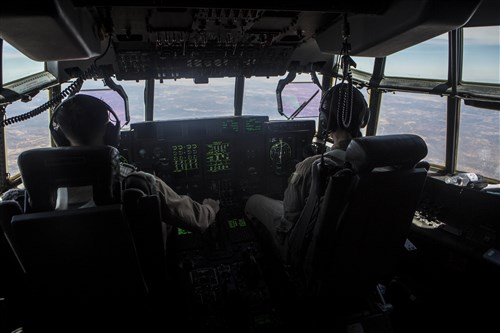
54, 31
404, 24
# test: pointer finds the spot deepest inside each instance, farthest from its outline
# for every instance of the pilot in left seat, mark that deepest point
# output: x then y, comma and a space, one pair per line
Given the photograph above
83, 120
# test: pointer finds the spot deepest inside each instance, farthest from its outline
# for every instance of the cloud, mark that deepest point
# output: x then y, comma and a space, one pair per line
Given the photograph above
482, 36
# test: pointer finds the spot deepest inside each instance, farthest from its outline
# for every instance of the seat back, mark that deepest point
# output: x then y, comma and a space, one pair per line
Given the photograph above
44, 170
364, 216
82, 269
11, 276
142, 208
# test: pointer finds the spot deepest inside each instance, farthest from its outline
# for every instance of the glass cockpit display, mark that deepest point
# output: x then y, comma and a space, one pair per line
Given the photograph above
185, 159
280, 153
218, 157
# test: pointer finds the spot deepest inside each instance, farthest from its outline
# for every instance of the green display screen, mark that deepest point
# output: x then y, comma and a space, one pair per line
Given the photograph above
181, 231
236, 223
218, 156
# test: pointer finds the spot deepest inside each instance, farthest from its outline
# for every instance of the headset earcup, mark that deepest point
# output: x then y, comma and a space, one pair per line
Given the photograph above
59, 137
56, 132
112, 135
323, 121
324, 106
365, 116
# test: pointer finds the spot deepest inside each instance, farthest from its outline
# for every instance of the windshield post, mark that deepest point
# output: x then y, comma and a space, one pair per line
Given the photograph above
239, 89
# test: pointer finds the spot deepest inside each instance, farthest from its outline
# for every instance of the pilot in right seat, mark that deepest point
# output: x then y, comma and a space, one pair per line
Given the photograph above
342, 121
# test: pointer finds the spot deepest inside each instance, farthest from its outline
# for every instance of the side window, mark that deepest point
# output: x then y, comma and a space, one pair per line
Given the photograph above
31, 133
424, 115
479, 141
481, 55
426, 60
364, 64
479, 135
16, 65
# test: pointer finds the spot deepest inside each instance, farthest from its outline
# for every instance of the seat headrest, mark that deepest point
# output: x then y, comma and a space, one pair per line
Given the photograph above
44, 170
395, 150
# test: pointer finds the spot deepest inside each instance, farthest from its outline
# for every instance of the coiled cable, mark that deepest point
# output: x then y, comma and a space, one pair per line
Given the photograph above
72, 89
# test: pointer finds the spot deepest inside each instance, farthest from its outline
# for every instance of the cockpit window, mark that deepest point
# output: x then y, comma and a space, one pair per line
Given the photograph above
427, 60
482, 54
364, 64
424, 115
16, 65
479, 141
183, 98
301, 99
23, 135
260, 97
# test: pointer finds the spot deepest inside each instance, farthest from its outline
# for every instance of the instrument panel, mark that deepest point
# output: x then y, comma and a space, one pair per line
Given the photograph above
225, 158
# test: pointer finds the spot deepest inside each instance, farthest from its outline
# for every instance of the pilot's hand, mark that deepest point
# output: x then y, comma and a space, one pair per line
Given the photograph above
212, 203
